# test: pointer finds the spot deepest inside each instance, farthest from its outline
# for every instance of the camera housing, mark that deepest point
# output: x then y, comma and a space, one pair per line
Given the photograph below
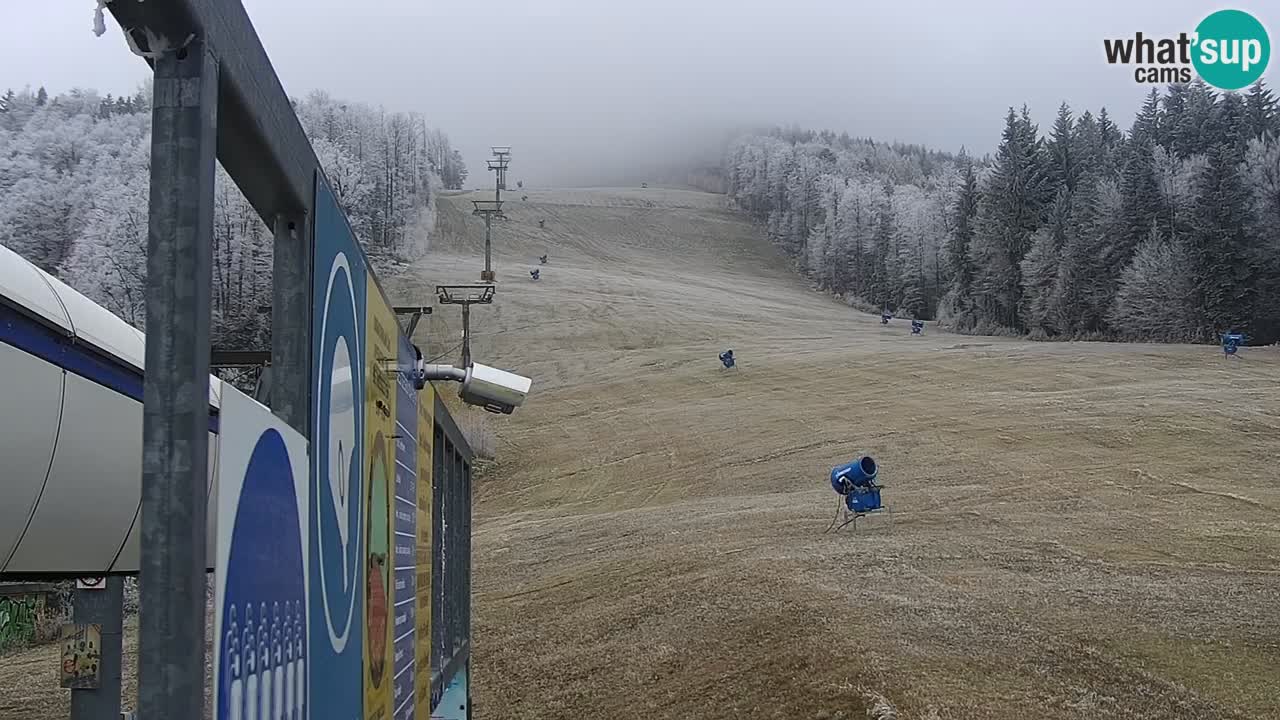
497, 391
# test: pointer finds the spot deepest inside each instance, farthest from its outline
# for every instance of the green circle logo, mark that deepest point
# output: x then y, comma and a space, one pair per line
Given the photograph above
1231, 49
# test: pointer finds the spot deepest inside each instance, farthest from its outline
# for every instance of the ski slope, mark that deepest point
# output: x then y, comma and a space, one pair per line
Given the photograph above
1080, 530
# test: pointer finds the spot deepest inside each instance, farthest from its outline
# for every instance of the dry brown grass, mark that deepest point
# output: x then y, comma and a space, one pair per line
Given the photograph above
1080, 530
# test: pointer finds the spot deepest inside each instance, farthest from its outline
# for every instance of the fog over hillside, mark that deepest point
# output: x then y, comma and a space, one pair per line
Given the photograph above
589, 92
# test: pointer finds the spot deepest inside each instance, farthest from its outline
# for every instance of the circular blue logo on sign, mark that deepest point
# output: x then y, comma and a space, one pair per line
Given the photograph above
264, 642
338, 448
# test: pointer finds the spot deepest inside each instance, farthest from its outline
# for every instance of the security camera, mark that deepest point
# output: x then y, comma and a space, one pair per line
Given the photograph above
497, 391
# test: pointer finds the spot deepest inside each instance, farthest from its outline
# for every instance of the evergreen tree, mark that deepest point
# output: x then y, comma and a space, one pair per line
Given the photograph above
1085, 233
1039, 271
881, 288
1141, 199
1112, 141
1233, 125
1088, 150
1040, 266
1010, 211
1083, 287
959, 264
1224, 253
1146, 126
1196, 127
1064, 165
1174, 109
1261, 119
1152, 299
42, 97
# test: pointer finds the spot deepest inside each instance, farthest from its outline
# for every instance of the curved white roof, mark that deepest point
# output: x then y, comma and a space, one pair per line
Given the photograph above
58, 304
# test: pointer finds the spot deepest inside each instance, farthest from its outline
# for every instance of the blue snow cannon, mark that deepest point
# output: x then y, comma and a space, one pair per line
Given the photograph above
859, 473
535, 273
885, 317
1231, 343
726, 357
856, 481
917, 327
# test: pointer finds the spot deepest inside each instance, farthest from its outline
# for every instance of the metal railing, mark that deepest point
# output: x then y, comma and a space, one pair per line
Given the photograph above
451, 552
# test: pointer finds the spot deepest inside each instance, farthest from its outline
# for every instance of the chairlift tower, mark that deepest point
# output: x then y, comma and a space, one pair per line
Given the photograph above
466, 296
498, 164
488, 209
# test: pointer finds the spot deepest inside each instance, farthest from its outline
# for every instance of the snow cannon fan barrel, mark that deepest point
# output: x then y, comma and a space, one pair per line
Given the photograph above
859, 473
1231, 342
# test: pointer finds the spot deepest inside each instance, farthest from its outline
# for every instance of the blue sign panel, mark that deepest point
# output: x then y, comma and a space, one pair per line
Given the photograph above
405, 523
260, 657
337, 374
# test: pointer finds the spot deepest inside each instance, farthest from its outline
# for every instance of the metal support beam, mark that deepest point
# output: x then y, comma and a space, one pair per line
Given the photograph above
291, 323
487, 276
175, 413
415, 313
466, 335
106, 608
261, 142
239, 358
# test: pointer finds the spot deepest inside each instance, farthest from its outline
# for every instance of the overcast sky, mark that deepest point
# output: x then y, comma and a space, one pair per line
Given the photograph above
582, 88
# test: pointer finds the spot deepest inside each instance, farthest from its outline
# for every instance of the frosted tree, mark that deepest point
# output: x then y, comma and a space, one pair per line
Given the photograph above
1039, 268
1064, 165
1010, 210
1152, 302
1141, 199
1225, 254
1175, 180
107, 261
1044, 238
958, 302
1262, 119
74, 182
1262, 173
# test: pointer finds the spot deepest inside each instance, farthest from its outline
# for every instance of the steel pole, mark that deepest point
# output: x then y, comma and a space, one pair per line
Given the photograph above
466, 335
488, 243
104, 607
175, 414
290, 397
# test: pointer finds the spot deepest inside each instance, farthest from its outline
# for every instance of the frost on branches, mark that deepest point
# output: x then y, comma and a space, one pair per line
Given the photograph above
74, 182
1170, 232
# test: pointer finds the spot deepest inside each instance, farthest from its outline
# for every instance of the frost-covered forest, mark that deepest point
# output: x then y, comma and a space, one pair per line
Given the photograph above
1169, 232
74, 188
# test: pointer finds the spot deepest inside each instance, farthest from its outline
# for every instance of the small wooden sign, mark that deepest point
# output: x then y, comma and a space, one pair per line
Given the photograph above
81, 656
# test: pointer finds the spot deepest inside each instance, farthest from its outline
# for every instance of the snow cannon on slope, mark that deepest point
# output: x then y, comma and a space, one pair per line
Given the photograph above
917, 327
885, 317
1231, 343
727, 358
535, 273
856, 483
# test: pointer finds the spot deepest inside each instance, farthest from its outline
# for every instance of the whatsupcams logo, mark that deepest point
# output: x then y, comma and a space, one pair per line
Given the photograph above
1229, 50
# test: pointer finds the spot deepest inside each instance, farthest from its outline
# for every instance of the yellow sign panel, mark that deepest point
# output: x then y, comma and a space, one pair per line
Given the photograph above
422, 663
381, 340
